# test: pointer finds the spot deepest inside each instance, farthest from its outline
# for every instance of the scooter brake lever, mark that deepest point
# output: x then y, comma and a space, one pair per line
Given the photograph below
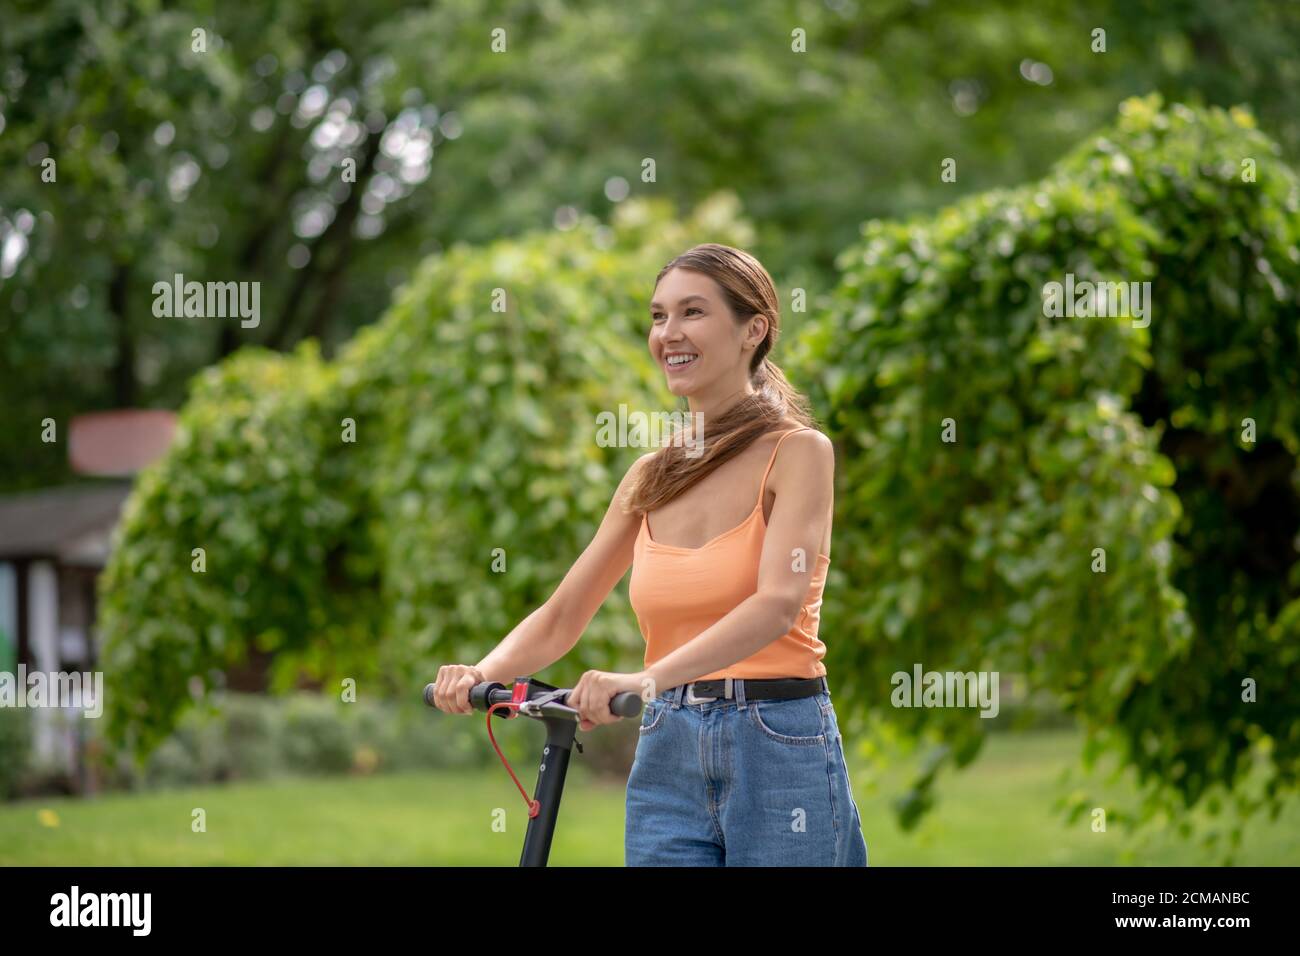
532, 707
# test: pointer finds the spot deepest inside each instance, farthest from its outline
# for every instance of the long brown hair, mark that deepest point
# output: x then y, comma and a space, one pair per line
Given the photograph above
748, 290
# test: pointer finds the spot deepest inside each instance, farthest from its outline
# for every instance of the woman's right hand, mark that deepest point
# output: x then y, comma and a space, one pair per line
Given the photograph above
451, 689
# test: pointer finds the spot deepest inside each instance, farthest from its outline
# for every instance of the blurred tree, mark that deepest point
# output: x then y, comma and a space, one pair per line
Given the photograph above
229, 164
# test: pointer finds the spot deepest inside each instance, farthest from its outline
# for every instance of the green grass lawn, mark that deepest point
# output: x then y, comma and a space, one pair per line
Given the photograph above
999, 812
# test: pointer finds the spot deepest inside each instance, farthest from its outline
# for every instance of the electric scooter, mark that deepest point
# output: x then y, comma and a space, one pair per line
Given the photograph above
532, 698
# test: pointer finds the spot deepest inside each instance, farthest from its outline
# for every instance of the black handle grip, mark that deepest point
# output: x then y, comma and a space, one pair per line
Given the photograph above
484, 695
478, 694
626, 704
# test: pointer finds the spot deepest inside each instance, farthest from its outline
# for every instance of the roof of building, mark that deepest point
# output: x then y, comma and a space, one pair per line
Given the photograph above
60, 522
119, 442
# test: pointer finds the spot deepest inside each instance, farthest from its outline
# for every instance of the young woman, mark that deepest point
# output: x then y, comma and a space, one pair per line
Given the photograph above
739, 760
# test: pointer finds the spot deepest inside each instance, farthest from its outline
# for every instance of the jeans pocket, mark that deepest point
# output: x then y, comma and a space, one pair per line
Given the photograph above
797, 721
652, 715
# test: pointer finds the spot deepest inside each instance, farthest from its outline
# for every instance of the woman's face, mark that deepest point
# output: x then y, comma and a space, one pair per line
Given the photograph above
691, 320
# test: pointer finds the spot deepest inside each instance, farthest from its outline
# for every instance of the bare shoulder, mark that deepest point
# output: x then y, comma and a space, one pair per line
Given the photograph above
810, 441
641, 462
806, 454
634, 469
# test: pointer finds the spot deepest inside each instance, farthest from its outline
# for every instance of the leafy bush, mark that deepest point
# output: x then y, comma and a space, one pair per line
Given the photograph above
237, 736
15, 748
244, 482
1073, 434
317, 737
254, 727
173, 764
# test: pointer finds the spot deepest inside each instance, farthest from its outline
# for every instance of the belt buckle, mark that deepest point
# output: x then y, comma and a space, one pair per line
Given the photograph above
692, 699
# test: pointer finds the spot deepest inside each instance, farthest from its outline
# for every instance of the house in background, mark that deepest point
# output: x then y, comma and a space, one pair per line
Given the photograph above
53, 544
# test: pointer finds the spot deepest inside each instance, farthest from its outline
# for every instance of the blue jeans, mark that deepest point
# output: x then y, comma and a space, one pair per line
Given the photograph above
741, 783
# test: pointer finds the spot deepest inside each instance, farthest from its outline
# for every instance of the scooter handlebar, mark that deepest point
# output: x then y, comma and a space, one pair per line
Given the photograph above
484, 695
625, 704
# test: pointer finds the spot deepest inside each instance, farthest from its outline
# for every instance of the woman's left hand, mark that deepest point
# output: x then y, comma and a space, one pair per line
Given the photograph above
595, 689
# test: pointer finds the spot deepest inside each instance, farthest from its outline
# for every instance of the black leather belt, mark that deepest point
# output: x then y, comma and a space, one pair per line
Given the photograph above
724, 688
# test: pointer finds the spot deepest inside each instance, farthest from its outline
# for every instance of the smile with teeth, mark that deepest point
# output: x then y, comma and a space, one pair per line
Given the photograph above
680, 359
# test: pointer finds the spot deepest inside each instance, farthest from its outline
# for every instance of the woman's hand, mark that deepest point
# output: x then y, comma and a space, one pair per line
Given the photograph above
451, 690
595, 689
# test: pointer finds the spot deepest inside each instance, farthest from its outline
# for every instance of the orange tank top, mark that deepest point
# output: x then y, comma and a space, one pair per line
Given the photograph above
678, 593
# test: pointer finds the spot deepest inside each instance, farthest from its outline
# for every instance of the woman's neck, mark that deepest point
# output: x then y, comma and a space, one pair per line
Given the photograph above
715, 405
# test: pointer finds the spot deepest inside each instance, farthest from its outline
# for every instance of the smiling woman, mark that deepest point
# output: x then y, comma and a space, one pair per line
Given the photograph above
740, 761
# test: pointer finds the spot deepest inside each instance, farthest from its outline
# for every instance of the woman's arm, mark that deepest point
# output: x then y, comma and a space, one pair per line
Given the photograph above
550, 632
803, 479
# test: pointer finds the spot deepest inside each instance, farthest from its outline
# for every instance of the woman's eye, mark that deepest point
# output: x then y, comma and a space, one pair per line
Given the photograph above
656, 316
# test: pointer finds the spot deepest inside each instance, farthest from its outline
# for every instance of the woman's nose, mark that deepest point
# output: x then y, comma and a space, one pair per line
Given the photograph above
669, 331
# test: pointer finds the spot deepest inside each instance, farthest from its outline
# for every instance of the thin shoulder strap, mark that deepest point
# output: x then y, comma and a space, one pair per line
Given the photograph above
771, 461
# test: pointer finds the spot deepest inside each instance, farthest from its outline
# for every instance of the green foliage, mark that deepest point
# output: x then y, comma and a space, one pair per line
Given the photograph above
253, 732
244, 737
1074, 434
15, 748
316, 740
217, 164
246, 482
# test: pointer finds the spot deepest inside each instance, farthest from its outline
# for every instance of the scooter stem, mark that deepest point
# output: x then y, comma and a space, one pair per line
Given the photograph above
550, 785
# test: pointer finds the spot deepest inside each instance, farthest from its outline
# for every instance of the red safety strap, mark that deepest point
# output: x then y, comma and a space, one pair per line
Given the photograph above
520, 689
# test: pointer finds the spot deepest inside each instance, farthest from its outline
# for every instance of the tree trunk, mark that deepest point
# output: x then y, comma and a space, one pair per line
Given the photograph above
124, 384
338, 233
